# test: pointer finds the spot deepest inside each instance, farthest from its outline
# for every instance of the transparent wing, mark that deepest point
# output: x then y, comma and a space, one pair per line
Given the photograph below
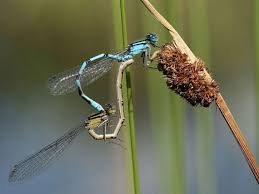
65, 82
37, 162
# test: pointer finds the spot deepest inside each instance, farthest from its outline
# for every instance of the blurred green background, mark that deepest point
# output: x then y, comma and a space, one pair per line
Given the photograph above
181, 149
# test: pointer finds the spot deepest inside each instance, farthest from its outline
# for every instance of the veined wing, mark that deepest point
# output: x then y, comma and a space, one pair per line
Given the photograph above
37, 162
65, 82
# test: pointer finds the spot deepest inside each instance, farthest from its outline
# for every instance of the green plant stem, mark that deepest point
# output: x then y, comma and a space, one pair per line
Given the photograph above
167, 128
177, 114
130, 105
117, 43
204, 126
118, 38
257, 72
159, 114
132, 135
123, 23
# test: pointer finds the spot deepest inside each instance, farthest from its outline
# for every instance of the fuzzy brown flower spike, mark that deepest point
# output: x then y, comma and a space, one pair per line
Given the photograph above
186, 79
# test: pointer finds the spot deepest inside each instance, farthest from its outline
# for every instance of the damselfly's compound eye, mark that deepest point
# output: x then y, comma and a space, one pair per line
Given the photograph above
110, 109
152, 37
108, 106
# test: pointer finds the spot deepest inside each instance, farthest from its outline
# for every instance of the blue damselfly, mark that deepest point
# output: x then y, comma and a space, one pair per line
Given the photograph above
95, 67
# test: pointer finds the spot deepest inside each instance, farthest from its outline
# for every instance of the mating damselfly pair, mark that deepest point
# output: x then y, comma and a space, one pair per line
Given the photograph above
72, 80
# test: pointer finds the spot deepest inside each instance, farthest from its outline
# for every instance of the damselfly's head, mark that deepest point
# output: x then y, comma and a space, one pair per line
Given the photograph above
110, 109
152, 38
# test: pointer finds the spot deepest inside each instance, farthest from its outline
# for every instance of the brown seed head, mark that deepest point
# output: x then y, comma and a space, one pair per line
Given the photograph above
189, 80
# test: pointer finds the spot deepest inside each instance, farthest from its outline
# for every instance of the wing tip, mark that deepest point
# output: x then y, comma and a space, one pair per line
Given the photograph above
13, 175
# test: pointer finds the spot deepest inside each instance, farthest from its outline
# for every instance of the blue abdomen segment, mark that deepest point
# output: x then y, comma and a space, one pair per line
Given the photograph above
90, 101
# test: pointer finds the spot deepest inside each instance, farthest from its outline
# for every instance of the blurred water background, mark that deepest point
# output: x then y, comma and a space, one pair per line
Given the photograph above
181, 149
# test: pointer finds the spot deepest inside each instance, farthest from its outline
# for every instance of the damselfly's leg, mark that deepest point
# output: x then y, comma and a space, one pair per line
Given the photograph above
104, 131
146, 56
151, 58
148, 51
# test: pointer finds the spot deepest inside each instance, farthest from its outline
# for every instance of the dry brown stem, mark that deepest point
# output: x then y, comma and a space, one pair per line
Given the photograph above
182, 46
238, 135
